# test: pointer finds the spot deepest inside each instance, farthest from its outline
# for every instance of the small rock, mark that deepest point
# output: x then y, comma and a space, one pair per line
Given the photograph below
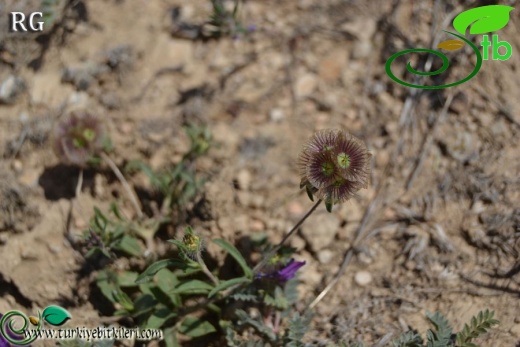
295, 209
225, 224
310, 274
276, 115
351, 211
54, 248
382, 158
478, 207
244, 179
99, 185
241, 223
325, 256
363, 28
17, 165
126, 128
226, 135
363, 278
515, 330
364, 258
320, 230
80, 223
297, 242
305, 85
29, 178
459, 103
362, 49
256, 201
331, 66
256, 225
10, 88
305, 4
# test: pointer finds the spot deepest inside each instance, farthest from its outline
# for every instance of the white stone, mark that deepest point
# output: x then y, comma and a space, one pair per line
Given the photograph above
363, 278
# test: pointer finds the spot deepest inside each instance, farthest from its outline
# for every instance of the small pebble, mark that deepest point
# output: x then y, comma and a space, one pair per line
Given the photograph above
295, 209
325, 256
17, 165
363, 278
244, 179
276, 115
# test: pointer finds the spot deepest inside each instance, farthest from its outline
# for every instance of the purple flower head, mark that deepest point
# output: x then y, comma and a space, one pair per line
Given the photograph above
284, 274
334, 165
78, 138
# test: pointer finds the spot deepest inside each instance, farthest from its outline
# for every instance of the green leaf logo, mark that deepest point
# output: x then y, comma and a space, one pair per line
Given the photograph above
55, 315
482, 19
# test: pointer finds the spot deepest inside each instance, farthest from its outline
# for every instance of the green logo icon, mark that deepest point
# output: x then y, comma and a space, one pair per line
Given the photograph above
480, 20
53, 315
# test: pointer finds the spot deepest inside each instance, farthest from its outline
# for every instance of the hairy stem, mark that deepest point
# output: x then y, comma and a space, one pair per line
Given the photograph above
128, 189
269, 255
206, 270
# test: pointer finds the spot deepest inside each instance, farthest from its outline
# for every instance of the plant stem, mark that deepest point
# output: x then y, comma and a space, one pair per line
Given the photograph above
80, 183
269, 255
129, 190
206, 270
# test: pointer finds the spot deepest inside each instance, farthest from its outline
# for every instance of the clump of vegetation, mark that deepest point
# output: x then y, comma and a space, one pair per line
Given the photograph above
191, 299
224, 22
442, 334
81, 139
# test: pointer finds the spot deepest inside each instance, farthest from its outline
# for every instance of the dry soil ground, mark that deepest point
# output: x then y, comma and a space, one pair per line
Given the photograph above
440, 221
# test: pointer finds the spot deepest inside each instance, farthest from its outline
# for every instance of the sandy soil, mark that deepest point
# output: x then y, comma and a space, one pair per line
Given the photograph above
440, 221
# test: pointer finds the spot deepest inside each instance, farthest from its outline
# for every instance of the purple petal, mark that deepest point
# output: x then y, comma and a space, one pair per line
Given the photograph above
289, 270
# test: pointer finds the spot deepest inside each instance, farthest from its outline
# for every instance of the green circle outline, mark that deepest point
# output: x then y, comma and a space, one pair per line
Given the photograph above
445, 65
4, 322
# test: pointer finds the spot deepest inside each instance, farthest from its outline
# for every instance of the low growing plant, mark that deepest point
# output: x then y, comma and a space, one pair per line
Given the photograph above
254, 305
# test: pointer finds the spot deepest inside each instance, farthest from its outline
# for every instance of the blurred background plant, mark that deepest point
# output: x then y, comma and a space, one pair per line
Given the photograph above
442, 334
224, 21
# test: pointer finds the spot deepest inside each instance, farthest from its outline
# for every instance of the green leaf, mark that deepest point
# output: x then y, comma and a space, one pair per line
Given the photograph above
115, 210
99, 219
170, 338
159, 317
127, 279
235, 254
482, 19
129, 245
180, 245
55, 315
139, 165
194, 327
144, 303
148, 274
328, 205
479, 325
193, 287
106, 286
227, 284
122, 298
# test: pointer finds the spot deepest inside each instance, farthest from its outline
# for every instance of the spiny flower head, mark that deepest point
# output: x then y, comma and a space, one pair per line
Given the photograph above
190, 245
78, 138
334, 165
